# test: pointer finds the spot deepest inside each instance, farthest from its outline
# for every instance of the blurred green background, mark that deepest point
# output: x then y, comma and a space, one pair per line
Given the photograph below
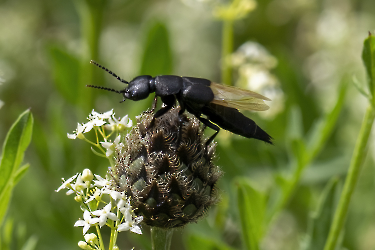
297, 52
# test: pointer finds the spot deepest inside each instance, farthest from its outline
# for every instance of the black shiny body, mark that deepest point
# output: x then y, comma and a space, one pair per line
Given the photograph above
195, 96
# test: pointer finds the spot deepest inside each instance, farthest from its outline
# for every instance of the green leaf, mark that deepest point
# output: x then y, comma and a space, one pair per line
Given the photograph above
6, 234
368, 57
65, 69
359, 87
157, 56
295, 124
200, 242
299, 151
323, 129
321, 220
30, 243
252, 206
16, 142
20, 173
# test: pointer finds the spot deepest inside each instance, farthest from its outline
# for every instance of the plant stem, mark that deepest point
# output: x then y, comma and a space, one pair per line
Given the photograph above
226, 50
351, 179
161, 238
101, 243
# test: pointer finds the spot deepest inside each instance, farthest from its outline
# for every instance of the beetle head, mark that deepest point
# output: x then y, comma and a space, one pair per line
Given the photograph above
138, 89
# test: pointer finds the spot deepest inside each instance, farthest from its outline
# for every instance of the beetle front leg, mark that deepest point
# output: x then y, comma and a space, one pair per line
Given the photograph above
169, 101
154, 103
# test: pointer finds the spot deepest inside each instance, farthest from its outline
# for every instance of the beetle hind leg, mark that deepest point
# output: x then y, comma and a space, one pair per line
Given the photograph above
212, 126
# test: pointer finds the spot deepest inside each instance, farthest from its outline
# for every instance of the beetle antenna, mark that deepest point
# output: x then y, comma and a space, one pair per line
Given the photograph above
110, 72
100, 87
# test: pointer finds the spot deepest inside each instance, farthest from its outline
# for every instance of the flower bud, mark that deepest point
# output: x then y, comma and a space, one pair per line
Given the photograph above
166, 169
87, 175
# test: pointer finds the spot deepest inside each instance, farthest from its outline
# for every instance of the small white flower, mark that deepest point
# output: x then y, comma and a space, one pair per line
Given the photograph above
111, 147
103, 116
66, 183
100, 182
96, 122
130, 223
104, 214
80, 185
117, 124
87, 222
78, 133
96, 196
125, 122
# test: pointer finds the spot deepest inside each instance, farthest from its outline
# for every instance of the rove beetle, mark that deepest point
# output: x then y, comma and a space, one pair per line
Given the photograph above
219, 103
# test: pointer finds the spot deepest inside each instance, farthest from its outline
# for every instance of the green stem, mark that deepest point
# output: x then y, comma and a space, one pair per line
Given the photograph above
226, 50
351, 179
101, 243
112, 239
161, 238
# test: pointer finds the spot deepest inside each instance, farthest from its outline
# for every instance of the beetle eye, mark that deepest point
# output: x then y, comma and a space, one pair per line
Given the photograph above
126, 93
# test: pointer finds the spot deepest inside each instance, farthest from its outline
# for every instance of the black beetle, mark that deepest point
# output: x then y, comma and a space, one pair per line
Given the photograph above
219, 103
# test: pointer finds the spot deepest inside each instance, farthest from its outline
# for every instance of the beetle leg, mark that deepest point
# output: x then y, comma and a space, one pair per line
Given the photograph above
210, 125
169, 101
153, 107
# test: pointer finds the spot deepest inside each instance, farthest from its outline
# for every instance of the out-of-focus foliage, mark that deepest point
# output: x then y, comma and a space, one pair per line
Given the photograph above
315, 48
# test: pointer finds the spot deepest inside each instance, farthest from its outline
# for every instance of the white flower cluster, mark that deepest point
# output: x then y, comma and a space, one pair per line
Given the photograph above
102, 206
101, 122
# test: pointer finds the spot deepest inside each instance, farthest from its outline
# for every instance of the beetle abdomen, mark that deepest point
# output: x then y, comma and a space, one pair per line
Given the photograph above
234, 121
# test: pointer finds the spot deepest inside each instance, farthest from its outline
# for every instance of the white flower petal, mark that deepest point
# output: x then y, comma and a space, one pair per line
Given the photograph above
112, 216
106, 144
86, 228
136, 229
79, 223
72, 136
100, 182
123, 227
67, 183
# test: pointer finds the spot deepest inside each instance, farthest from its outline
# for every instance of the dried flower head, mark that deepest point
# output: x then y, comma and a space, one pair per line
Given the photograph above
166, 169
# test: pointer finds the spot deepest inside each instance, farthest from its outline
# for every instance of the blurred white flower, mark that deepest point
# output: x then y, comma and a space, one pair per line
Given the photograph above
253, 64
254, 53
